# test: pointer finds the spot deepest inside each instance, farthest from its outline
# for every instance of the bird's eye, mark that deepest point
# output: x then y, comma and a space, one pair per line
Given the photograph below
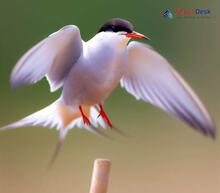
115, 28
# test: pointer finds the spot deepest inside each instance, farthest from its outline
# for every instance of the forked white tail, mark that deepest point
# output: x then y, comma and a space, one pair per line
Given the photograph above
58, 115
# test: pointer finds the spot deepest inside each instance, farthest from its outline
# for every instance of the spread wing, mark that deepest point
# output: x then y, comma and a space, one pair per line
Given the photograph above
52, 57
151, 78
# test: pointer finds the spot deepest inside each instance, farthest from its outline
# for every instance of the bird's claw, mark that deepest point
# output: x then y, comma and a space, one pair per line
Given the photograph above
86, 121
104, 116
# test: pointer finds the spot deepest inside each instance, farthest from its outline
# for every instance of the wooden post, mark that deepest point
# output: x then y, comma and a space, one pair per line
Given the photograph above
100, 176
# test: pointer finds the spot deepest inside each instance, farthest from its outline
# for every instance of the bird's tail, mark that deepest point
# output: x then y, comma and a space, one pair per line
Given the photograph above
58, 115
46, 117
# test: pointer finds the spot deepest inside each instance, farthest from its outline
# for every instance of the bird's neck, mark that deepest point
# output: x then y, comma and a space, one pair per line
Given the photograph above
111, 39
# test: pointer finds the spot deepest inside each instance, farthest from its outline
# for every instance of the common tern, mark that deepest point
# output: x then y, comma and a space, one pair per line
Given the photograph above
89, 71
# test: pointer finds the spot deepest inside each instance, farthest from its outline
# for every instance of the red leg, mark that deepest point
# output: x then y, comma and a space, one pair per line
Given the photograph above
104, 116
85, 118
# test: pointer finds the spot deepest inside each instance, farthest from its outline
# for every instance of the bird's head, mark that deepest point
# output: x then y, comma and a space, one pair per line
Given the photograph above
121, 27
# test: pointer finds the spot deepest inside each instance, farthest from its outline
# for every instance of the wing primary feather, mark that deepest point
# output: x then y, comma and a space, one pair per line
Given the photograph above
180, 112
151, 78
52, 57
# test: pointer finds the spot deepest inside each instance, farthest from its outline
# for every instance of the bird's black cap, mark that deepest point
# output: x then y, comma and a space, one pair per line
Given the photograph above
116, 25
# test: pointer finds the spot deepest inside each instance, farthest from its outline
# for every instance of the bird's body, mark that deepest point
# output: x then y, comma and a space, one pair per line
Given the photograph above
97, 72
89, 71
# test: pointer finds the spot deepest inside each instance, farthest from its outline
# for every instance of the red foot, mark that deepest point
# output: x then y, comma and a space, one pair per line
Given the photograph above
104, 116
85, 118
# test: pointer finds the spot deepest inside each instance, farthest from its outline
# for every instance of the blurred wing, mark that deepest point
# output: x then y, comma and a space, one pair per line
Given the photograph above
151, 78
53, 57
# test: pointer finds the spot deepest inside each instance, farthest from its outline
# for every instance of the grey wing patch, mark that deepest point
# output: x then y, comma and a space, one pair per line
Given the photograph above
21, 74
151, 78
53, 57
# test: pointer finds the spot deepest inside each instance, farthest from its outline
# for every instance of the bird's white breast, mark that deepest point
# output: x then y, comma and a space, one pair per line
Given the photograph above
96, 73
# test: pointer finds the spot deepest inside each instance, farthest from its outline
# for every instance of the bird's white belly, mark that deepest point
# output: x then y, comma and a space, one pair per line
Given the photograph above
92, 79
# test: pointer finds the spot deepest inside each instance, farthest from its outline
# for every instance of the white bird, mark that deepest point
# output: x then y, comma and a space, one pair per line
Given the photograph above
89, 71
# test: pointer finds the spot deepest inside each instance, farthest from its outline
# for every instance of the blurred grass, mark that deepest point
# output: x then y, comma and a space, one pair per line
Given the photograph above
162, 155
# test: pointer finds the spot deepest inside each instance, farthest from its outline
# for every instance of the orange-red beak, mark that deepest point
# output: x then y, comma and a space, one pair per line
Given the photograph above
137, 35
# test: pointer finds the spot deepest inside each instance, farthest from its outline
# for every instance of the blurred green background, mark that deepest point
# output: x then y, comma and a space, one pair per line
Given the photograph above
162, 155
